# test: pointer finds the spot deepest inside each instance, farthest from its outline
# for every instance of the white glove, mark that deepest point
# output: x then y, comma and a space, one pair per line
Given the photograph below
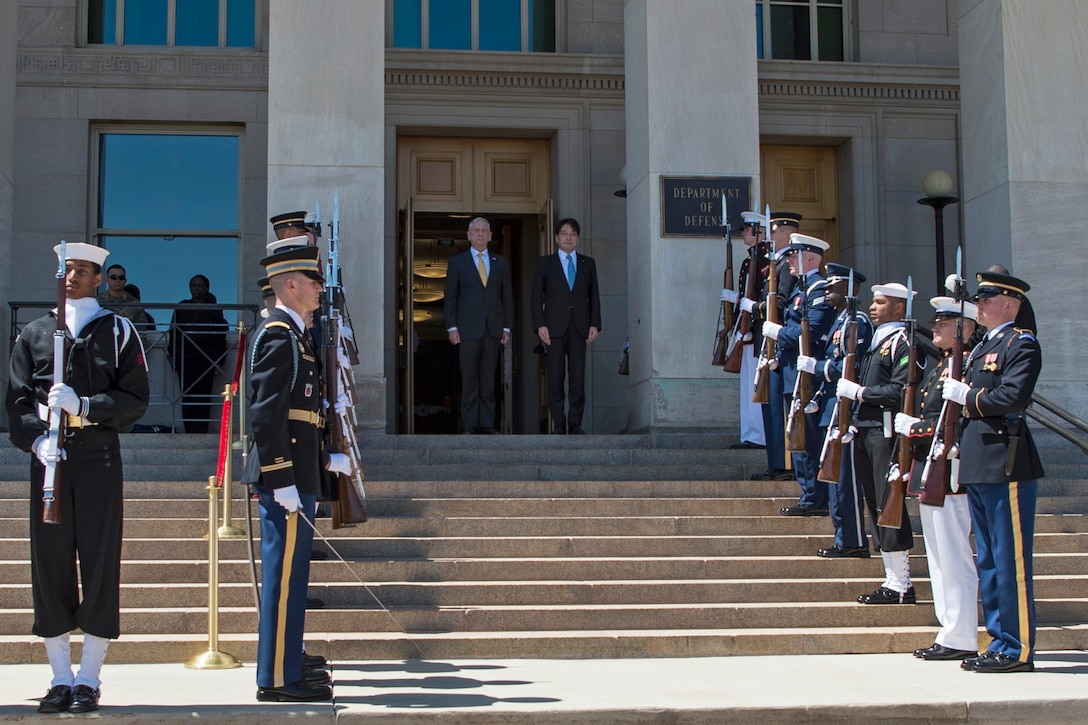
848, 389
343, 404
806, 364
44, 449
773, 363
339, 463
950, 283
62, 396
730, 296
955, 391
771, 329
288, 498
747, 305
903, 423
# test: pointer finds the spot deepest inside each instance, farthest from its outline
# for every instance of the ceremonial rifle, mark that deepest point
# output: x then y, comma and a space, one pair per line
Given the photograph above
743, 327
802, 385
347, 507
940, 469
761, 388
891, 512
839, 430
720, 357
50, 510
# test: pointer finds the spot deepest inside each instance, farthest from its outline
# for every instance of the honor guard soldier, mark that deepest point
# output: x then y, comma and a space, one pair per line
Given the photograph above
844, 499
1000, 468
783, 224
807, 302
295, 224
878, 392
946, 529
752, 270
287, 415
104, 390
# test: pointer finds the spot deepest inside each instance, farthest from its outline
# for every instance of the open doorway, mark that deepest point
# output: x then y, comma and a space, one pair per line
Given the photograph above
429, 373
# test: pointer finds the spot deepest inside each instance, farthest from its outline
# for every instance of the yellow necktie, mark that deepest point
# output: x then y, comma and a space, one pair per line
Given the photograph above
481, 268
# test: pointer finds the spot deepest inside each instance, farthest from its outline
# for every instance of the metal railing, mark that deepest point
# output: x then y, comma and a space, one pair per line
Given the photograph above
169, 398
1077, 434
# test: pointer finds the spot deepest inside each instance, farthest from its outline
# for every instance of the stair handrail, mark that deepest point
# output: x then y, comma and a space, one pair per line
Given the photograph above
1078, 423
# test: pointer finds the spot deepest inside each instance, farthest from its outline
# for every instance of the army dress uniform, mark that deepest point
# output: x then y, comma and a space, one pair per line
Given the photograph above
845, 499
1000, 467
287, 418
946, 529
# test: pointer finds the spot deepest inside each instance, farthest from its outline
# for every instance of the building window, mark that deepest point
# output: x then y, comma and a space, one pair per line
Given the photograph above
167, 208
510, 25
206, 23
801, 29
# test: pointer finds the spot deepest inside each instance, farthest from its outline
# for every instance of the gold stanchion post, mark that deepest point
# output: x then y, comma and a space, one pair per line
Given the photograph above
213, 659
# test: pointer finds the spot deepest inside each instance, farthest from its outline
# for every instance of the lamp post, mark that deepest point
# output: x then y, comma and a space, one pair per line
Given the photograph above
938, 187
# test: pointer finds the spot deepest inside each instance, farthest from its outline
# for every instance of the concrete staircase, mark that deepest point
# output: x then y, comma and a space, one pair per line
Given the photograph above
533, 547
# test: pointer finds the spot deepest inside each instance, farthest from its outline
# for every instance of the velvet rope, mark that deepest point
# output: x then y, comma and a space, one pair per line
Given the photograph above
224, 428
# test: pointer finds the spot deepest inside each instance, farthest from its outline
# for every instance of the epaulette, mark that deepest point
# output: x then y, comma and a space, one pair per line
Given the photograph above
1023, 334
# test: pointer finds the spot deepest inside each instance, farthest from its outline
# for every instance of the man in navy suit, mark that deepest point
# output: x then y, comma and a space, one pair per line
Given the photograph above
479, 312
566, 313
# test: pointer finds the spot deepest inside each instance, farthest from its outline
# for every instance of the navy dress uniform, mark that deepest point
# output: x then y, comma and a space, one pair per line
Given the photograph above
1000, 467
774, 414
287, 415
808, 299
845, 500
106, 385
879, 395
946, 529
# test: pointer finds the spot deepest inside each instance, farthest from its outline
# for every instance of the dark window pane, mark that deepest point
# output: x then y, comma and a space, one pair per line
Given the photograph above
790, 33
542, 26
162, 268
240, 24
829, 33
759, 30
500, 24
407, 24
145, 22
197, 23
102, 21
159, 181
450, 25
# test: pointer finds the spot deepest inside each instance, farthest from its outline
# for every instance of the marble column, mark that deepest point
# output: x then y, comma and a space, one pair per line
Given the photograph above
8, 46
326, 133
1025, 165
692, 110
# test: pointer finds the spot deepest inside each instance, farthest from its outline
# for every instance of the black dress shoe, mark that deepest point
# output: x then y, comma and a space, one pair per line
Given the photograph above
84, 699
56, 700
314, 603
315, 677
970, 662
318, 555
575, 430
747, 446
486, 431
1002, 663
940, 652
313, 661
850, 552
773, 474
884, 595
804, 510
559, 432
294, 692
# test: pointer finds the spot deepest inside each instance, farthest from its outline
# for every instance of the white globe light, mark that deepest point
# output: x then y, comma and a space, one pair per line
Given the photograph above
938, 183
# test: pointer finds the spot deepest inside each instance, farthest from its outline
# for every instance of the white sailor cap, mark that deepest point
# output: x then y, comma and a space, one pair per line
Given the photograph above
280, 245
805, 243
752, 218
893, 289
947, 308
84, 252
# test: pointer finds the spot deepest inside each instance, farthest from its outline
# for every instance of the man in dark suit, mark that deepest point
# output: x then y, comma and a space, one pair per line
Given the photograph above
566, 313
479, 312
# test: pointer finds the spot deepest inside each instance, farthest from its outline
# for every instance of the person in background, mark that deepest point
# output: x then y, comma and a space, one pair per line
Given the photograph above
198, 341
116, 291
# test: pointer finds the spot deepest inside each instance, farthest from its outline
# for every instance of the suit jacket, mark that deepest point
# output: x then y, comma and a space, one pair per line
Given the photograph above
555, 305
286, 376
470, 306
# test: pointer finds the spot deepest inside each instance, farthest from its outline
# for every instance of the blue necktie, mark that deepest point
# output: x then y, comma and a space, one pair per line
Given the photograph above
570, 271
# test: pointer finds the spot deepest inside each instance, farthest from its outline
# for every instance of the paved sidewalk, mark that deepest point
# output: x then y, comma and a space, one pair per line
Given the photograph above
815, 688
